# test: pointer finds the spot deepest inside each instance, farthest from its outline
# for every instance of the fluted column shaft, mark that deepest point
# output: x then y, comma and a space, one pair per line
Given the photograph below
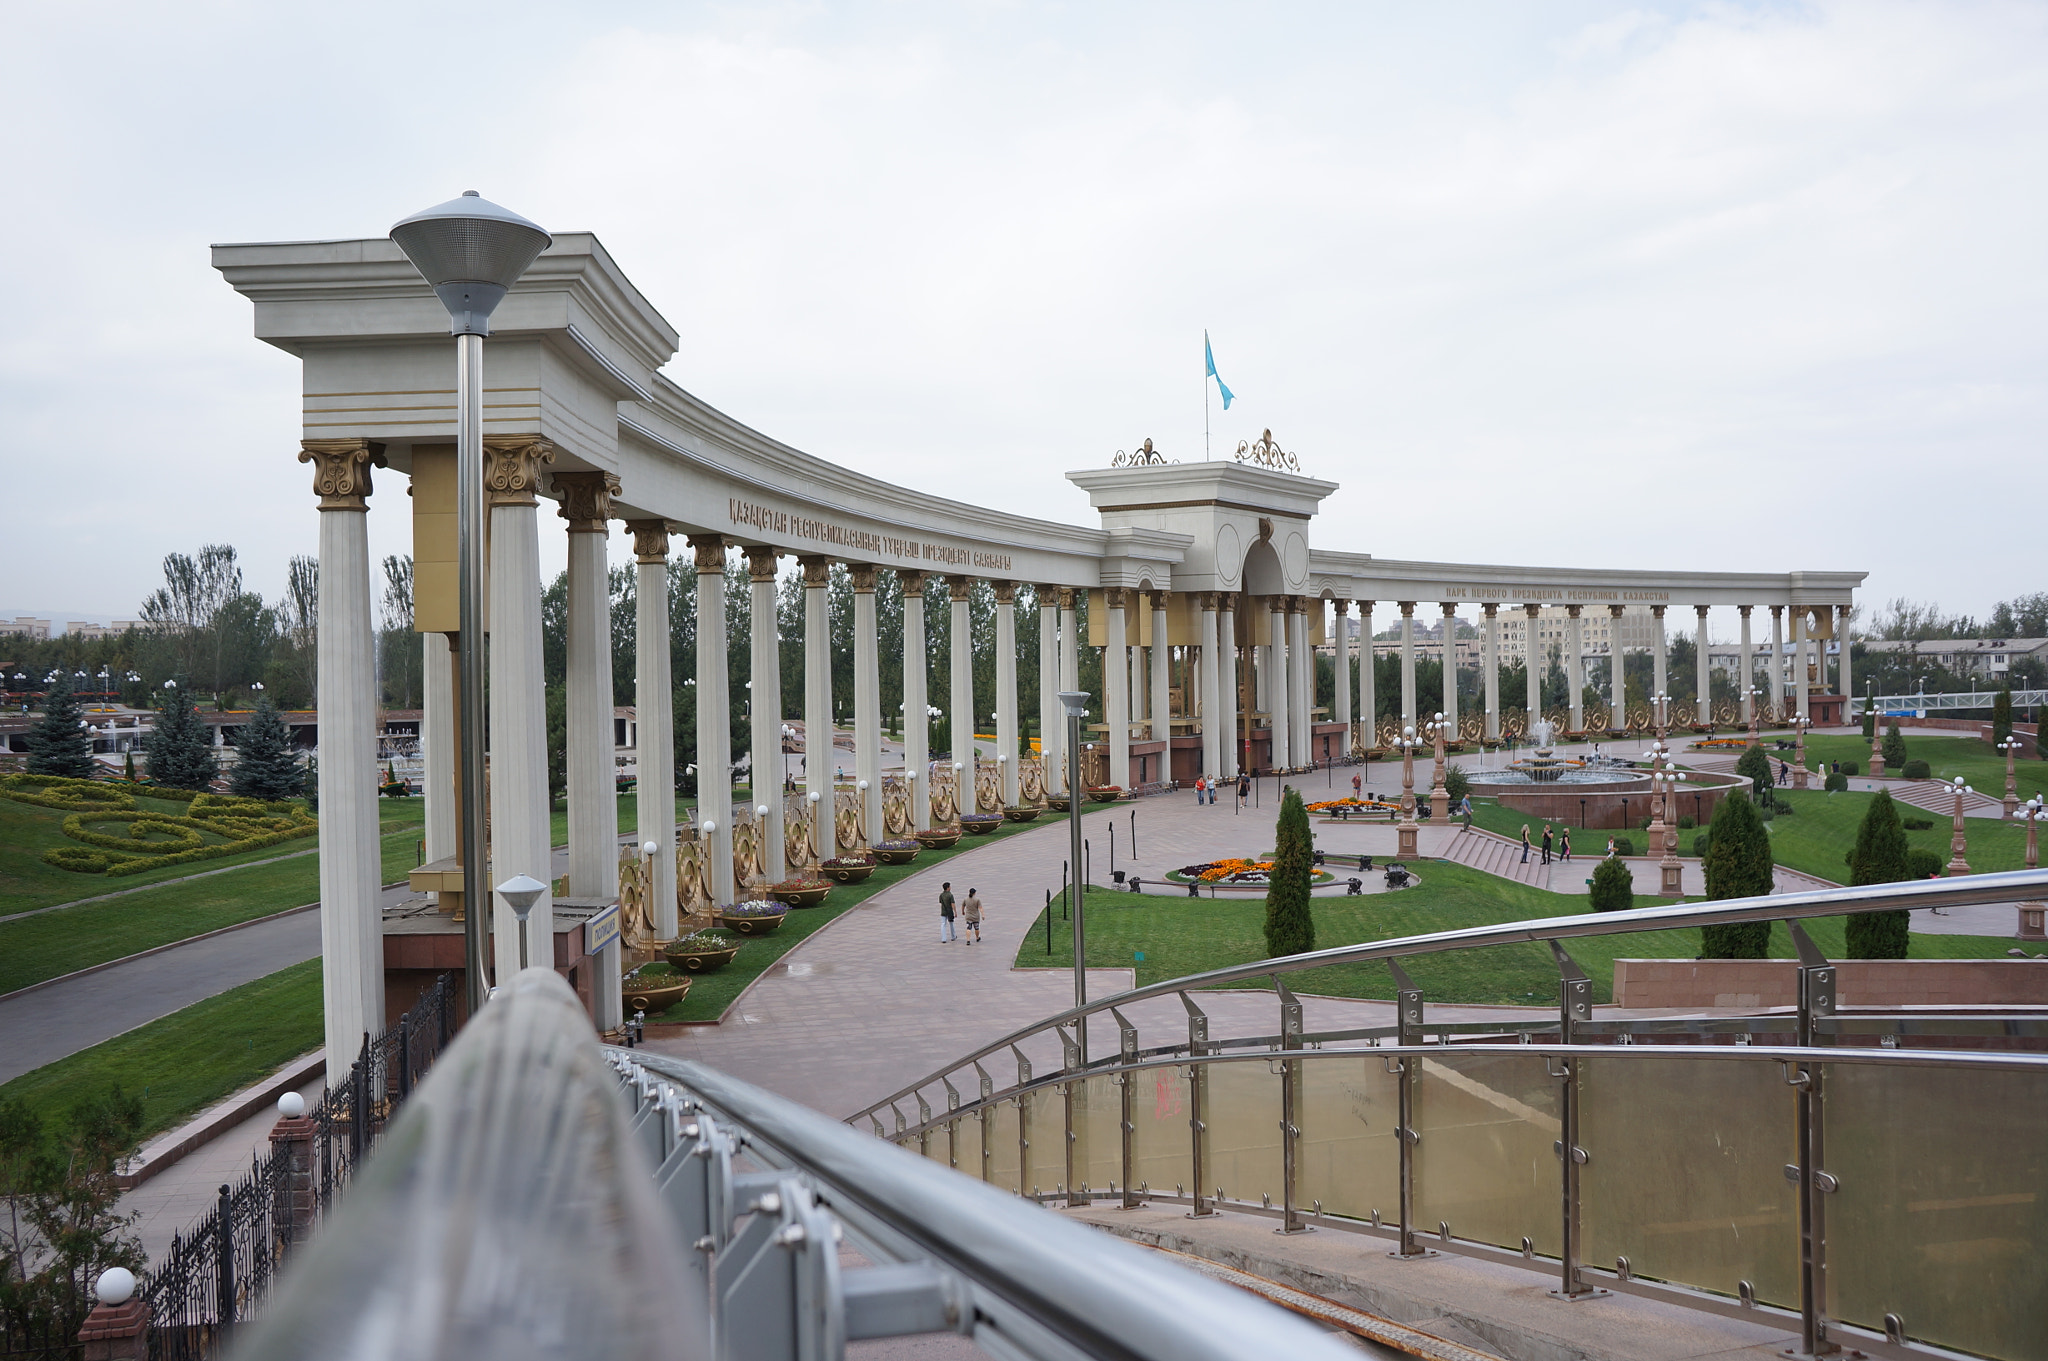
1368, 678
1489, 646
714, 707
437, 744
592, 765
1844, 686
1703, 675
1279, 749
818, 701
1407, 661
1536, 660
1660, 678
960, 699
1777, 661
351, 869
765, 709
1618, 699
1341, 620
1226, 685
1301, 670
1006, 688
1450, 674
1748, 681
1116, 674
1162, 673
1797, 680
1070, 672
654, 788
867, 700
518, 700
1575, 664
1051, 727
1213, 736
917, 723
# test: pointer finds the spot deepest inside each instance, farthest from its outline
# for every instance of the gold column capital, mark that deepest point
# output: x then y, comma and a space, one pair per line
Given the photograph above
817, 571
863, 574
1206, 601
1342, 605
1047, 593
710, 552
587, 500
1614, 611
1407, 608
1113, 597
761, 562
1573, 610
1006, 592
1657, 611
650, 540
1532, 610
1744, 608
1777, 611
1067, 598
959, 588
1278, 604
1492, 608
912, 581
512, 465
341, 470
1226, 602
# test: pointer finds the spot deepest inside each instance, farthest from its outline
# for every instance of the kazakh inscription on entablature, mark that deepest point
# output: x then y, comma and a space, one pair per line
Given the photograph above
772, 521
1565, 593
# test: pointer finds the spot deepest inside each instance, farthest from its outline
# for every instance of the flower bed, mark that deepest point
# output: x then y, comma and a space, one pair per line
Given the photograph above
800, 892
1022, 812
755, 917
1108, 793
654, 987
899, 852
1349, 805
1718, 744
938, 838
847, 869
700, 951
981, 823
1236, 873
1059, 803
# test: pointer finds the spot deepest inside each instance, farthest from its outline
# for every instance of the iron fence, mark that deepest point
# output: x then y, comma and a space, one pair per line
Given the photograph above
35, 1339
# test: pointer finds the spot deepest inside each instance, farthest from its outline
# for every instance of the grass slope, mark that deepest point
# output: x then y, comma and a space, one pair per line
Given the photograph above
190, 1059
1976, 760
1181, 936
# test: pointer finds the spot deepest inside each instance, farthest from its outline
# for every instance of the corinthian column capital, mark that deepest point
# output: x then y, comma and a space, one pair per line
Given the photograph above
863, 574
1006, 592
512, 465
761, 562
650, 540
817, 571
587, 500
710, 551
341, 470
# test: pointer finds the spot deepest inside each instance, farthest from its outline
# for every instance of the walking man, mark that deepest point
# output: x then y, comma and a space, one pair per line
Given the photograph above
972, 909
1546, 847
946, 913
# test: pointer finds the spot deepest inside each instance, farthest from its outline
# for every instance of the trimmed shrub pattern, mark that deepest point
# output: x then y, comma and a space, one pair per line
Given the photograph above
152, 840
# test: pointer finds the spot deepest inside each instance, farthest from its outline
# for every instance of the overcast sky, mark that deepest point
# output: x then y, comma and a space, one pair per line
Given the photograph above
1571, 284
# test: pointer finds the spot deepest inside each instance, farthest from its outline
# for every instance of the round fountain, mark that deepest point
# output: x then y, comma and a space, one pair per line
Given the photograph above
1546, 767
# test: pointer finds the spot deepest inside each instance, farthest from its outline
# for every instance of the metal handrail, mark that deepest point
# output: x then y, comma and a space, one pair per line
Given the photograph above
541, 1196
1927, 893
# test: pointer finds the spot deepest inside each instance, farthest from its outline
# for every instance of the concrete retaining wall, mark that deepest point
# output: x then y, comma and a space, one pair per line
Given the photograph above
1696, 983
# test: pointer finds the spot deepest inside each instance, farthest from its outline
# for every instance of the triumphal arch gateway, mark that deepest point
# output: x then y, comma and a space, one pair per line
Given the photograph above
1218, 572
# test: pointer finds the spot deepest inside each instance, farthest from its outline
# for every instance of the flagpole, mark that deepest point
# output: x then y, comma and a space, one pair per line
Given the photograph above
1205, 397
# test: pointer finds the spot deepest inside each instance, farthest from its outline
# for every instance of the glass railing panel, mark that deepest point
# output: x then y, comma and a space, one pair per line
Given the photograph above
1942, 1206
1486, 1164
1685, 1172
1347, 1157
1165, 1143
1242, 1109
1046, 1158
999, 1127
1098, 1129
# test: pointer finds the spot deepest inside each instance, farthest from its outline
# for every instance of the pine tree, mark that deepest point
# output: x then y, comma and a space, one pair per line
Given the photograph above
180, 754
1869, 723
1290, 927
1756, 766
1738, 865
266, 767
1879, 857
1893, 748
2001, 716
59, 743
1614, 886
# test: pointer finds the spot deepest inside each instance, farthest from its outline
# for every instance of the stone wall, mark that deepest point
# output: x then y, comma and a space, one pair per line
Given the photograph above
1692, 984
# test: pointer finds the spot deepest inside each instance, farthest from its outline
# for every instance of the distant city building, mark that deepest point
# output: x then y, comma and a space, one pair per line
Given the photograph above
23, 626
79, 628
1991, 658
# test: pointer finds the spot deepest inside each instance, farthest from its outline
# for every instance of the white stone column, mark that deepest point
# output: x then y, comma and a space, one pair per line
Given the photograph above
764, 707
960, 700
1618, 700
1535, 663
1007, 743
1575, 663
1777, 662
1280, 749
1226, 685
917, 723
1489, 661
1052, 727
351, 859
867, 701
1450, 672
1407, 661
1747, 681
1368, 678
1301, 668
714, 722
518, 702
1341, 653
818, 759
1703, 672
1116, 674
1213, 737
592, 764
1660, 666
654, 708
1070, 668
1161, 708
1140, 692
1846, 689
437, 744
1797, 680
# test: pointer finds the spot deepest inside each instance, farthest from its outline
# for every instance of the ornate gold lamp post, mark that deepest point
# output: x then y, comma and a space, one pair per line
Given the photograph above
1956, 863
1407, 742
1800, 723
2011, 747
1756, 715
1876, 737
2032, 913
1439, 793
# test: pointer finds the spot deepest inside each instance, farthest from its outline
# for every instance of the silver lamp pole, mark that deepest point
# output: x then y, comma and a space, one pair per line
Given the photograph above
1076, 702
471, 252
522, 891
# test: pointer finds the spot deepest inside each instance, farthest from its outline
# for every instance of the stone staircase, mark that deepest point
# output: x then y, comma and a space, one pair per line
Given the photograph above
1491, 853
1938, 798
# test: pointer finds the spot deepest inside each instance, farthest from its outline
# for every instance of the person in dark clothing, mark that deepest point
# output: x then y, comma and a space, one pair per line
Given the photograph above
1546, 843
1525, 843
1564, 844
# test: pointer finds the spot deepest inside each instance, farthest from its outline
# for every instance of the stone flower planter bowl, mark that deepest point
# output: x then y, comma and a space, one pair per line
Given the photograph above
1059, 803
698, 953
847, 869
759, 917
800, 892
938, 838
1108, 793
1022, 812
981, 824
896, 852
655, 992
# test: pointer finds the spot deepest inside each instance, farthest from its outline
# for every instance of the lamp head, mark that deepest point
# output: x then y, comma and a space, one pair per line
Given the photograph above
522, 891
471, 252
1075, 702
709, 825
761, 809
649, 847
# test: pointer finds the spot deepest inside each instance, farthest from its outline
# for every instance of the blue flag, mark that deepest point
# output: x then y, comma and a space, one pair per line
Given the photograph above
1210, 355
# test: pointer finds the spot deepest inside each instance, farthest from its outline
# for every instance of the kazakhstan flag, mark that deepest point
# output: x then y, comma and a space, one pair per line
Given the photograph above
1210, 355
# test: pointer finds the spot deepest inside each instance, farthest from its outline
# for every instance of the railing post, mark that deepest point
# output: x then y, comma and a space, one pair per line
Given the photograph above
988, 1089
1023, 1123
1408, 1019
1127, 1108
358, 1104
404, 1055
1290, 1108
1076, 1193
1198, 1129
224, 1261
1816, 1000
1575, 1007
952, 1123
924, 1120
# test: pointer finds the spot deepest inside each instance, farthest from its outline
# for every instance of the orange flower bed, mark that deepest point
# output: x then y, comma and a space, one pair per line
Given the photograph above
1333, 805
1223, 869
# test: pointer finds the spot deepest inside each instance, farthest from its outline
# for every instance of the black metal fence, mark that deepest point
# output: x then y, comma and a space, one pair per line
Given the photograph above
38, 1339
218, 1272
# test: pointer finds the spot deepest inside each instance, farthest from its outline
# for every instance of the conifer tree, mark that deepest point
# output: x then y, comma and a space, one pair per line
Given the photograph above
1756, 766
1738, 865
1879, 857
2001, 716
180, 754
1290, 927
59, 743
266, 767
1614, 886
1893, 748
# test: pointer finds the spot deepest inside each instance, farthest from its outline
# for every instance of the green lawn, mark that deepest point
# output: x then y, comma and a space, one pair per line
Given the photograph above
629, 816
1181, 936
1976, 760
190, 1059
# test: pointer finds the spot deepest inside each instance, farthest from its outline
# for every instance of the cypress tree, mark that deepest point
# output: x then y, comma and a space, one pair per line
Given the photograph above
1738, 865
180, 756
266, 767
1879, 857
1894, 748
1756, 766
1290, 927
2001, 716
58, 744
1870, 723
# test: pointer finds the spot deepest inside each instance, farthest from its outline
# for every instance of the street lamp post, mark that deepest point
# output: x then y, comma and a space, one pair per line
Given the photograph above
2011, 747
1756, 707
2032, 913
1956, 863
1439, 793
522, 891
471, 252
1407, 742
1800, 723
1876, 736
1075, 702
